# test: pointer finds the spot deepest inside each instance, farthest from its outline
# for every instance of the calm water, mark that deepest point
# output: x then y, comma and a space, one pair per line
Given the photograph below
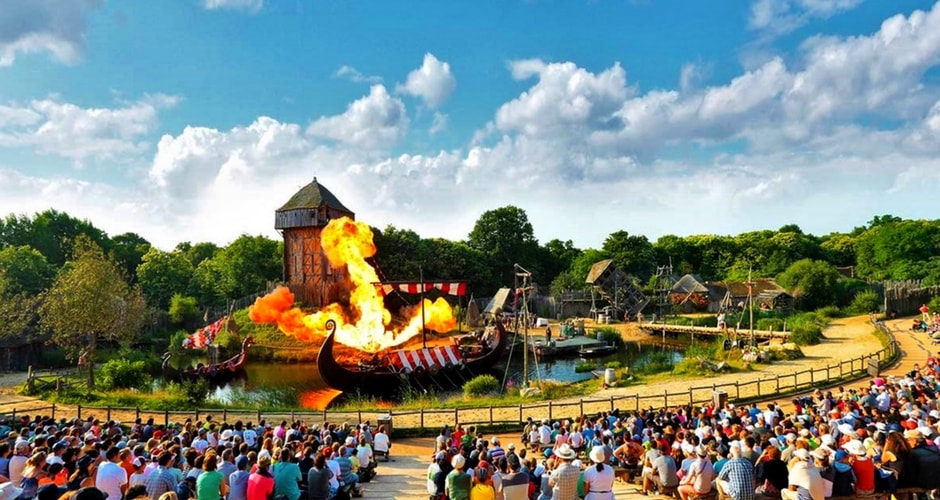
274, 384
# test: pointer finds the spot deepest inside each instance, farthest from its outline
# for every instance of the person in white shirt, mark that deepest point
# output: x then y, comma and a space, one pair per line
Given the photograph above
139, 476
364, 453
380, 442
111, 477
545, 433
250, 437
201, 444
18, 461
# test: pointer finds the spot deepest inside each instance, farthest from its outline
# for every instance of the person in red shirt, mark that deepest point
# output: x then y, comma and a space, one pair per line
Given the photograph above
261, 482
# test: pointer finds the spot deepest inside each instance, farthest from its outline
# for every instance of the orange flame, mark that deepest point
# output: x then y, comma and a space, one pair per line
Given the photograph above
349, 243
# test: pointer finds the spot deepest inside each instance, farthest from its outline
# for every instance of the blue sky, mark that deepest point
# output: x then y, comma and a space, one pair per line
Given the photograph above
195, 119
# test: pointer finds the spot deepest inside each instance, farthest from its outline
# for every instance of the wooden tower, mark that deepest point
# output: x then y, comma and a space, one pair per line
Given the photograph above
307, 271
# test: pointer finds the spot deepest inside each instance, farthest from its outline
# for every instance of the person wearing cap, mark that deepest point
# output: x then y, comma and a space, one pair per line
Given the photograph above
598, 479
862, 466
924, 461
138, 476
804, 475
458, 483
18, 461
436, 475
564, 479
496, 451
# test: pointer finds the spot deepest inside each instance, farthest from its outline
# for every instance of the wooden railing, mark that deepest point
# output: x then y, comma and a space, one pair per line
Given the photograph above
737, 391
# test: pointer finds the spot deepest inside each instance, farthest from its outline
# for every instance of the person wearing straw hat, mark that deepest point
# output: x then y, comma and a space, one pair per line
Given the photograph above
599, 479
564, 479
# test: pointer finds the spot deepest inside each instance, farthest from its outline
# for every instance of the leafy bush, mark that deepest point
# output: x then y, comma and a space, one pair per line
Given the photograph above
806, 334
775, 324
828, 312
584, 367
610, 335
123, 373
480, 386
934, 304
865, 301
656, 362
193, 392
710, 321
183, 309
613, 364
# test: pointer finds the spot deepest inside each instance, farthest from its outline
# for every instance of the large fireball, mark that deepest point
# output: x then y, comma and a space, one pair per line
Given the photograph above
364, 326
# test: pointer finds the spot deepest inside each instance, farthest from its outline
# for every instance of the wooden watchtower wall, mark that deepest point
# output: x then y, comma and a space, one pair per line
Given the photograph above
307, 271
907, 296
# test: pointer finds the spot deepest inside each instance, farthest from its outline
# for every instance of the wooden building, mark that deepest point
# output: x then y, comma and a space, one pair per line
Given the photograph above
307, 271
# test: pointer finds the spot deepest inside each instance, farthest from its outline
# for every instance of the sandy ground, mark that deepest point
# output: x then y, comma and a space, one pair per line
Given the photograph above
404, 478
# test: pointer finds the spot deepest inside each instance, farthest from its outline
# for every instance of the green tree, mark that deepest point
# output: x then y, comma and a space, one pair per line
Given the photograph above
91, 302
128, 249
26, 269
813, 282
198, 252
448, 260
248, 264
675, 249
206, 284
507, 237
839, 249
632, 254
556, 257
566, 281
163, 274
18, 309
183, 309
52, 233
582, 265
396, 251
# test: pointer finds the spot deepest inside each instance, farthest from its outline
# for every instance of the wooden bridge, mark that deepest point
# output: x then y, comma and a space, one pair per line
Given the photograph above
663, 329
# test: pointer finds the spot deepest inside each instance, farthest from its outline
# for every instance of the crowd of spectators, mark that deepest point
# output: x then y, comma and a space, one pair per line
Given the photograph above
878, 438
75, 459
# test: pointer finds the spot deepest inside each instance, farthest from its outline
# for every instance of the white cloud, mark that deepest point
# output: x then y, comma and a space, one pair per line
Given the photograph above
70, 131
439, 124
432, 82
244, 5
375, 121
354, 75
777, 17
53, 26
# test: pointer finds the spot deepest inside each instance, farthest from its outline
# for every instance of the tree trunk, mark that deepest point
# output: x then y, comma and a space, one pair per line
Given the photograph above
90, 360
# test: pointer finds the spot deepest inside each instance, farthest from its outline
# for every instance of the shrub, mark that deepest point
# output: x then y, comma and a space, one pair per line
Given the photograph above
613, 364
934, 304
656, 362
480, 385
806, 334
865, 301
583, 367
710, 321
125, 374
775, 324
828, 312
610, 335
183, 309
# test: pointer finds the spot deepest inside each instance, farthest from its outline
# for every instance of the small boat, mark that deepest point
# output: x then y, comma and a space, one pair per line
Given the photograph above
216, 372
439, 367
597, 351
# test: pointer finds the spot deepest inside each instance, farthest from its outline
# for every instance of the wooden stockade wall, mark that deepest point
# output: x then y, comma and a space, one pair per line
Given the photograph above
510, 415
907, 296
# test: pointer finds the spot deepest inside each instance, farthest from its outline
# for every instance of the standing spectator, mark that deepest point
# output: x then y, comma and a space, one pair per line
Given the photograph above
261, 483
286, 476
564, 479
210, 485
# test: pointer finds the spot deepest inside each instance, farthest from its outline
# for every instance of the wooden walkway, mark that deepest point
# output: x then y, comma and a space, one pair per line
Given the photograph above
660, 329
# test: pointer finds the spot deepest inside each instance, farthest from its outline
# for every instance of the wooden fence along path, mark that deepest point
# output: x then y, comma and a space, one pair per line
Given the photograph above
737, 391
57, 380
660, 328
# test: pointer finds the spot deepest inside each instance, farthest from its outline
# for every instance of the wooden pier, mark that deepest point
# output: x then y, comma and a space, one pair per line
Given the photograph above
660, 329
562, 346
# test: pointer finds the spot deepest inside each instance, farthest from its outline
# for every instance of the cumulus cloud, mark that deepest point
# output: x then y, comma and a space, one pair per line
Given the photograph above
432, 82
51, 126
778, 17
439, 124
243, 5
354, 75
375, 121
51, 26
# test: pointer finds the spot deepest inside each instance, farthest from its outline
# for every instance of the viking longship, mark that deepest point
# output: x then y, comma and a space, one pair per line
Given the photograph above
422, 368
203, 338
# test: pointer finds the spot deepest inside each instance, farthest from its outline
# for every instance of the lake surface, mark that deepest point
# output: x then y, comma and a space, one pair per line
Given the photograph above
300, 385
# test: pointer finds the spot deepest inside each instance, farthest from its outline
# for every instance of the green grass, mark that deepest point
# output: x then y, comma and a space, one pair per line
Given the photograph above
882, 337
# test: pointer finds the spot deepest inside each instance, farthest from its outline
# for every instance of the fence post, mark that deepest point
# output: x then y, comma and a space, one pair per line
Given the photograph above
360, 415
79, 412
259, 415
109, 412
520, 412
53, 411
225, 414
737, 391
14, 414
758, 387
550, 411
491, 414
422, 418
166, 418
812, 377
666, 398
690, 395
197, 414
136, 412
581, 406
611, 404
456, 419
